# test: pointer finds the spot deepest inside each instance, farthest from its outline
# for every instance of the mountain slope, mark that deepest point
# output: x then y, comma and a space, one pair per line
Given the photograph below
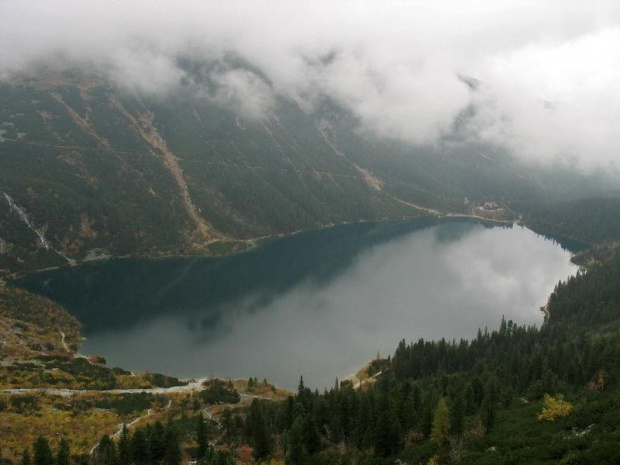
88, 169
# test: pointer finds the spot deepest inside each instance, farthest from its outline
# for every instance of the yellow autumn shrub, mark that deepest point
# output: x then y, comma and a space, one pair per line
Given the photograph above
554, 408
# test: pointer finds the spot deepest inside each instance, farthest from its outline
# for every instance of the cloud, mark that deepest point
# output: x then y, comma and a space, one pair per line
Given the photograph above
144, 71
243, 91
550, 69
415, 103
560, 100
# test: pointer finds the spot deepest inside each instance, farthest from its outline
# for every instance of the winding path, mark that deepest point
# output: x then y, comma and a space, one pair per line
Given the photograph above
189, 387
149, 412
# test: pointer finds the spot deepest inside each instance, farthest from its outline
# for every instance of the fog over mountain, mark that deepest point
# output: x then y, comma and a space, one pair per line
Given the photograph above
547, 76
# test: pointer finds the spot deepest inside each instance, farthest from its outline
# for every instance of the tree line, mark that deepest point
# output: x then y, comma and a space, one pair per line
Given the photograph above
431, 398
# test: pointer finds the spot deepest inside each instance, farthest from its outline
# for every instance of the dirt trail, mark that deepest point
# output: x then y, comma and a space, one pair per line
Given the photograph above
418, 207
68, 349
149, 413
478, 217
193, 386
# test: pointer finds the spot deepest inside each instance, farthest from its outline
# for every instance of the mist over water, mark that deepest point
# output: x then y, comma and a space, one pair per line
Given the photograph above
319, 304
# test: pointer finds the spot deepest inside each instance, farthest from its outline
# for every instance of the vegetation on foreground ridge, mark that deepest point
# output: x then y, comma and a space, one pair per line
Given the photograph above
513, 395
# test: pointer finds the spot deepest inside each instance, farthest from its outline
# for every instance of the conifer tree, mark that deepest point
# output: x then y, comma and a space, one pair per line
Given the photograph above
228, 425
82, 459
124, 454
487, 413
201, 439
157, 443
42, 452
312, 438
408, 414
26, 457
138, 448
64, 454
258, 432
362, 429
417, 400
173, 454
427, 420
288, 417
106, 452
301, 389
470, 401
262, 440
295, 452
457, 415
387, 433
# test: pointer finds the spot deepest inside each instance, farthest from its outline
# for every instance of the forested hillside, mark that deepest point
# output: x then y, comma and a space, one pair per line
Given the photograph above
592, 220
510, 396
88, 170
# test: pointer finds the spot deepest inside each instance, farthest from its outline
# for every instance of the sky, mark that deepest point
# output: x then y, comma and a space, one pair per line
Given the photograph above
548, 72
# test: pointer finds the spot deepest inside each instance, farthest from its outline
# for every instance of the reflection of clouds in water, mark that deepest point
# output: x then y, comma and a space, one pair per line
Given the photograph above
439, 282
516, 270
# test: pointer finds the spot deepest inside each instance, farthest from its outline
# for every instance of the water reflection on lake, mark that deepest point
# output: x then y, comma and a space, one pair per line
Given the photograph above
319, 304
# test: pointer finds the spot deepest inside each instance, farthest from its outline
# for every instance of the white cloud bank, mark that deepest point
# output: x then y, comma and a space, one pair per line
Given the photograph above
550, 70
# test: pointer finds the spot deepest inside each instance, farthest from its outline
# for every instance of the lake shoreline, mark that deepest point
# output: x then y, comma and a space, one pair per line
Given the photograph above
257, 242
208, 296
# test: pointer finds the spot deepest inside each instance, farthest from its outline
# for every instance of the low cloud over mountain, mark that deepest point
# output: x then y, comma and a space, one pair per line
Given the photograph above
548, 74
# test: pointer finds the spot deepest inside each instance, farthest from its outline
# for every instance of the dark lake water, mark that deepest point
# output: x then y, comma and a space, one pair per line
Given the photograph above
318, 304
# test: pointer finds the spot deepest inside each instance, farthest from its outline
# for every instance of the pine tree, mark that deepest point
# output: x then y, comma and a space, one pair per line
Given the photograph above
301, 389
470, 401
295, 452
106, 452
457, 416
82, 459
138, 448
258, 432
42, 452
387, 433
489, 404
64, 454
503, 328
124, 454
427, 420
478, 390
364, 421
201, 439
312, 438
441, 422
288, 417
228, 425
408, 415
262, 440
487, 413
173, 454
26, 457
157, 443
